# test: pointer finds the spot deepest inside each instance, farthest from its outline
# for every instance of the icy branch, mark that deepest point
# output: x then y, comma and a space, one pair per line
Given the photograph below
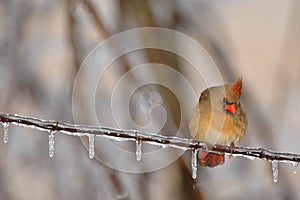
154, 139
52, 126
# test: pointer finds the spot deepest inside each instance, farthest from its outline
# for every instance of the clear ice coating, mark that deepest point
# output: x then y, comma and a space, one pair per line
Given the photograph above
138, 151
194, 162
5, 132
295, 167
91, 146
51, 144
275, 170
122, 195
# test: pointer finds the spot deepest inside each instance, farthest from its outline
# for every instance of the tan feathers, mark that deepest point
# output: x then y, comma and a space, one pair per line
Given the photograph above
210, 122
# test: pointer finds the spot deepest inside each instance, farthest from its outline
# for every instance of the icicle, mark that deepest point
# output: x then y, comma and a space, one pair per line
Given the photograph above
123, 195
138, 151
275, 170
194, 161
51, 144
91, 146
295, 167
5, 132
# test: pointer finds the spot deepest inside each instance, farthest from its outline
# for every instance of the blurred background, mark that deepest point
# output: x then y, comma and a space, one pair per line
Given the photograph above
43, 43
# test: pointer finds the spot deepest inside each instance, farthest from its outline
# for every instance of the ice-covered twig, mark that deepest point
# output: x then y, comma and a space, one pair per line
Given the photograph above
52, 126
154, 139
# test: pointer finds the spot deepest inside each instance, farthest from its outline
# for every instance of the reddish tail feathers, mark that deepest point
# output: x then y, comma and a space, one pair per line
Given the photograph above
211, 159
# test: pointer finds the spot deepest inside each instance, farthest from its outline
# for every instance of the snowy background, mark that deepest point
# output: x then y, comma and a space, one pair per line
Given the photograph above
43, 43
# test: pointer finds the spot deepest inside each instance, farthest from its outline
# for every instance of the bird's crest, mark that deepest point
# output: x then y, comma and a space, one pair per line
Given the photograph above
238, 86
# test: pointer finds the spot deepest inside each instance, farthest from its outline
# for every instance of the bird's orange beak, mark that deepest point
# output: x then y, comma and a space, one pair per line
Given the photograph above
231, 108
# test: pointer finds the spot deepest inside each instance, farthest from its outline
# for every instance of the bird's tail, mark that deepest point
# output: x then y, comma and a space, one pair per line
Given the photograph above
210, 159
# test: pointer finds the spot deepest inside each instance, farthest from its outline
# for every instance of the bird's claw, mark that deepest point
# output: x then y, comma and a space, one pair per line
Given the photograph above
232, 147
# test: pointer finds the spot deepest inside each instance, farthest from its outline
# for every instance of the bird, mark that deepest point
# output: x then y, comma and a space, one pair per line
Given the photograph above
218, 119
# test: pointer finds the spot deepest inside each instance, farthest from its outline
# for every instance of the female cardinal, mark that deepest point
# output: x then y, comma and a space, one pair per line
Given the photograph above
218, 119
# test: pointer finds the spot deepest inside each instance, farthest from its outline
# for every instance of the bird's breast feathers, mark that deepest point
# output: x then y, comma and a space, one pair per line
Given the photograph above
218, 127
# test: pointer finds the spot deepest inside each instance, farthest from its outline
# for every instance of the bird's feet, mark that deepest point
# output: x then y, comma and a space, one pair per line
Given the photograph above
232, 147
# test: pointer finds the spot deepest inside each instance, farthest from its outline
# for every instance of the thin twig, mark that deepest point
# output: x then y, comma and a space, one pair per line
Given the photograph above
154, 139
